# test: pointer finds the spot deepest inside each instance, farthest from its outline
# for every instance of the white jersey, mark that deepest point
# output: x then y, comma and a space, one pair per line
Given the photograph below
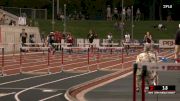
147, 57
109, 37
127, 38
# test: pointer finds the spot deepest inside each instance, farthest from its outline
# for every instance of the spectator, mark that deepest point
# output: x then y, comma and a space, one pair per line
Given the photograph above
51, 40
95, 35
58, 37
69, 39
90, 36
129, 14
127, 38
121, 26
3, 19
123, 14
109, 17
12, 22
23, 36
115, 16
177, 45
109, 38
138, 14
31, 38
148, 38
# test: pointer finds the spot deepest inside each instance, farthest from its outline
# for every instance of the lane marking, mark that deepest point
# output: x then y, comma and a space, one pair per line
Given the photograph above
6, 94
49, 90
18, 80
50, 97
54, 81
42, 89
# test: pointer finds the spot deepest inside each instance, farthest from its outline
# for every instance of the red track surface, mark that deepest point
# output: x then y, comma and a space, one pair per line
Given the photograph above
75, 62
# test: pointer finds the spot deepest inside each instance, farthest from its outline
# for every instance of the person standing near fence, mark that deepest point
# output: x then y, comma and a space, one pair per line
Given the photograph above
51, 40
177, 45
90, 36
138, 15
109, 16
69, 39
23, 37
109, 39
3, 19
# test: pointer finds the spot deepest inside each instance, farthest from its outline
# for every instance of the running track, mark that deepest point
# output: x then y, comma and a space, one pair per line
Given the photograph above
52, 87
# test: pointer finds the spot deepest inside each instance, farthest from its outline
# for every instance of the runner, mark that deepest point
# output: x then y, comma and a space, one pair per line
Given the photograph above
127, 42
177, 45
147, 56
148, 38
51, 40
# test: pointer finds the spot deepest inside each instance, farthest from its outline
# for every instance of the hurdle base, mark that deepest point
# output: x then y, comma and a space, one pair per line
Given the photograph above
78, 71
35, 73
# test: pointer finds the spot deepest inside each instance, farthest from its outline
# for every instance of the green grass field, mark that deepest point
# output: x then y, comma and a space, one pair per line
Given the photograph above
79, 29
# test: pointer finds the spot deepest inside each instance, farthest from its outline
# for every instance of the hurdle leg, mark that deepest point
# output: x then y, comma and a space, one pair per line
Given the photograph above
48, 61
88, 60
122, 58
2, 68
97, 59
20, 60
62, 59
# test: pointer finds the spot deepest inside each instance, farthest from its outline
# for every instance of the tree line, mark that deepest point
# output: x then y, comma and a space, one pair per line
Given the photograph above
151, 9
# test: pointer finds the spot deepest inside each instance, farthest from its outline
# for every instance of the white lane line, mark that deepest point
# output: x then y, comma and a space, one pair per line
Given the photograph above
26, 79
66, 78
10, 88
6, 94
51, 97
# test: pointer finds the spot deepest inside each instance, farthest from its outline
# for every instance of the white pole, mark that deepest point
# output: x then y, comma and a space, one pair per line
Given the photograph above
132, 30
122, 20
64, 18
53, 16
57, 6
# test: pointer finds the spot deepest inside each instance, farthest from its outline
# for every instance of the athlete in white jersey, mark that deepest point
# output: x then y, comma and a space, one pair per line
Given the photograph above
127, 38
147, 56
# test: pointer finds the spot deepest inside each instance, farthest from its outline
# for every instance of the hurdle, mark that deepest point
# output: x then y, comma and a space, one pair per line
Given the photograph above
2, 61
39, 48
111, 48
62, 44
150, 66
74, 48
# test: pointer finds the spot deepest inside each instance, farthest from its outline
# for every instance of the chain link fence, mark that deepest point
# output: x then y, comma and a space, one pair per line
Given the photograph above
27, 12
